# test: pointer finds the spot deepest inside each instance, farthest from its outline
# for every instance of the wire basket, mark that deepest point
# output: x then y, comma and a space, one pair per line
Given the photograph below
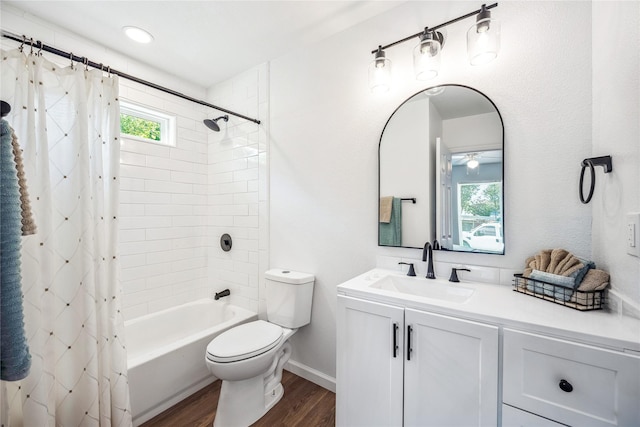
579, 300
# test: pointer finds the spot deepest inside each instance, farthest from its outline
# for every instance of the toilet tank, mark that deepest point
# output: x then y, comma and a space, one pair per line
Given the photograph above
289, 295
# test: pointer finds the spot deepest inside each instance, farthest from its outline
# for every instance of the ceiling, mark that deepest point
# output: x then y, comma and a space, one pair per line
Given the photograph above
205, 42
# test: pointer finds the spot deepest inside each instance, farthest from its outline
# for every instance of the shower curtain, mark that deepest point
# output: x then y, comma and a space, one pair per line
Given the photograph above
67, 122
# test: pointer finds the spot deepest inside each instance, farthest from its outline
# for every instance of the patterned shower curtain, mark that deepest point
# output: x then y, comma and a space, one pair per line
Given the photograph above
67, 122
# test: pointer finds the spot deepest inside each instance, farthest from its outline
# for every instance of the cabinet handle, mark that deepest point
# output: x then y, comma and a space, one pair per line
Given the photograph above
565, 386
409, 349
395, 340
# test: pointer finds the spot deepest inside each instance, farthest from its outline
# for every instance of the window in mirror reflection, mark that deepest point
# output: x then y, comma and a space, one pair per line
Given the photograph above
479, 224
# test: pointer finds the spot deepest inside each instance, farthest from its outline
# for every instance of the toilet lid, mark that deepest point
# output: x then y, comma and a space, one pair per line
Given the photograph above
244, 341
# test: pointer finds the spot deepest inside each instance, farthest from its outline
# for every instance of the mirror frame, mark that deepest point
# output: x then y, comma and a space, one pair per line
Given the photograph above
504, 251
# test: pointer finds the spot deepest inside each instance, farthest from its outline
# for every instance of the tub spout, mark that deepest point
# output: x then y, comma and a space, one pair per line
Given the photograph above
221, 294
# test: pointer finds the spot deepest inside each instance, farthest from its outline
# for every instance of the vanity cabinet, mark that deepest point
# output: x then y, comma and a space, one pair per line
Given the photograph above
568, 382
408, 367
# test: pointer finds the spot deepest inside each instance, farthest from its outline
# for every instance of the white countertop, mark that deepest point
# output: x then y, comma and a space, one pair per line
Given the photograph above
499, 304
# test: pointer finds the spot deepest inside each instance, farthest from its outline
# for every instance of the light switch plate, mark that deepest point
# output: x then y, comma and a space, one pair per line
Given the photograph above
632, 234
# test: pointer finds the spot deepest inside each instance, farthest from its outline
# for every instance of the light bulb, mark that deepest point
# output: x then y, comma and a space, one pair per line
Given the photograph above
426, 57
380, 73
483, 41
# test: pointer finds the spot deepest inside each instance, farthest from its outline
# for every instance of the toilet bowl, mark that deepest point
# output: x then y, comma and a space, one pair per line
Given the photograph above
249, 358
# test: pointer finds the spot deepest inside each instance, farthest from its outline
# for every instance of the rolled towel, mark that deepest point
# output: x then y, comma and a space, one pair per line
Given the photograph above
557, 257
558, 287
594, 280
529, 261
386, 204
567, 265
554, 261
543, 259
582, 272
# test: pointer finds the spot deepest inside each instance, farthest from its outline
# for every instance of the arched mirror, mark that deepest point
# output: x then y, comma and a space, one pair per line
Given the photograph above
441, 172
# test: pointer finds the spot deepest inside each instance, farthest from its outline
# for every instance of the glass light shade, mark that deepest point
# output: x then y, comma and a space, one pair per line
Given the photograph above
483, 41
426, 59
472, 164
380, 75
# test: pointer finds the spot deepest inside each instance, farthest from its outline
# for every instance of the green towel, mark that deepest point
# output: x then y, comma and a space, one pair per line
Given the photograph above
390, 234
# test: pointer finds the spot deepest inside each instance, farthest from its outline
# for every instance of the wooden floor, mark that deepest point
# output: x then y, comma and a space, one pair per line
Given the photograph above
303, 404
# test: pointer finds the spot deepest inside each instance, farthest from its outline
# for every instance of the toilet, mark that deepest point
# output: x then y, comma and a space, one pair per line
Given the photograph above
249, 358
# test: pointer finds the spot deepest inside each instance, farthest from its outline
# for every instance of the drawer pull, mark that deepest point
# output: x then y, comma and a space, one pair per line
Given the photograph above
565, 386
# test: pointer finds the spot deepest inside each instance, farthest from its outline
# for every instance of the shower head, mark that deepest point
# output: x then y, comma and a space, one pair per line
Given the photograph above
213, 123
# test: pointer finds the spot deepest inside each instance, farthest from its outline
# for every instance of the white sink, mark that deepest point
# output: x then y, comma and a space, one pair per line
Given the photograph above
429, 288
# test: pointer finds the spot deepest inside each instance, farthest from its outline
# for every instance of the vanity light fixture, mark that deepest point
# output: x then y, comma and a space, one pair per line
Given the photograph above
380, 72
138, 34
483, 45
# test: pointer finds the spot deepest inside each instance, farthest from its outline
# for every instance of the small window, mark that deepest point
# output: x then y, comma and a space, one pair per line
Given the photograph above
148, 125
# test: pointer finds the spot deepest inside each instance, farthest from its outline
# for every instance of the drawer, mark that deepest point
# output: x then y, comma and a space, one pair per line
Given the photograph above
514, 417
571, 383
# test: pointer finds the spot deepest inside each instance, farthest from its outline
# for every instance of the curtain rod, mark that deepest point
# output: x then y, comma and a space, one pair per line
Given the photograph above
37, 44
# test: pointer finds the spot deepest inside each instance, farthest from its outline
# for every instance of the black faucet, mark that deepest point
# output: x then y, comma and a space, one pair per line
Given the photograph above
454, 274
427, 252
412, 271
221, 294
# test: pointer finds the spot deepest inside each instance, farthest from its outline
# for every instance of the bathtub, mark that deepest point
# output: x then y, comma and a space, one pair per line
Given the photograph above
166, 352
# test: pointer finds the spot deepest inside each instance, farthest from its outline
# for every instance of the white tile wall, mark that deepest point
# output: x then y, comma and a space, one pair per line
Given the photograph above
163, 217
238, 189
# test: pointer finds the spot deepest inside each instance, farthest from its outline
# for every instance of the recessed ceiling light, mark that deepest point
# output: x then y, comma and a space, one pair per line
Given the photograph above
138, 34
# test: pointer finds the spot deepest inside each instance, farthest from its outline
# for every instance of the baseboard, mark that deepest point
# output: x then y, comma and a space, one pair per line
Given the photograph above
311, 374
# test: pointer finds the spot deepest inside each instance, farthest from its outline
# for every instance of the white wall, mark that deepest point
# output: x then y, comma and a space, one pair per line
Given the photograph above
616, 132
407, 169
325, 126
473, 133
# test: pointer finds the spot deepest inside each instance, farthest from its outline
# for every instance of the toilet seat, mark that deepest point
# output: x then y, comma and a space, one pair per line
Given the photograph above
244, 342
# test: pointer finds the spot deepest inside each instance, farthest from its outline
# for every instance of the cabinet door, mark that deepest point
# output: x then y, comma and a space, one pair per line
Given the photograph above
369, 367
451, 371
